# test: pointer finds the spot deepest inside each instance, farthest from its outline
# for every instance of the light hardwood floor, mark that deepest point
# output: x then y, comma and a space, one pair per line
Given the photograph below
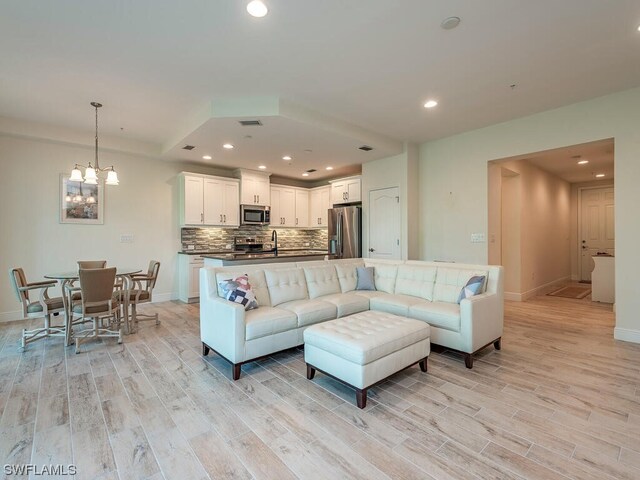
561, 400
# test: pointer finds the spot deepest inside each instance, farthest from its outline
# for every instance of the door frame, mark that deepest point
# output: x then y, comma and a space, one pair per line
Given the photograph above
579, 215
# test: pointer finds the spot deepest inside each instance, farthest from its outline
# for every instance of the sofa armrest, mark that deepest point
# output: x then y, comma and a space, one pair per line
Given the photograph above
222, 326
481, 320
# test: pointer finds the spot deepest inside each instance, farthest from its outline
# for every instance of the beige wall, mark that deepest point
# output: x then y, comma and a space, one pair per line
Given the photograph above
453, 184
535, 207
144, 204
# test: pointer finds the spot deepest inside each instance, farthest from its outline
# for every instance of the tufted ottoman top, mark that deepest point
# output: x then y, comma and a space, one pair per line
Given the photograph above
365, 337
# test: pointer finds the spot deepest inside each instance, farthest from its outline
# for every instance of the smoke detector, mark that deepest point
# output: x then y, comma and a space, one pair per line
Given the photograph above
450, 23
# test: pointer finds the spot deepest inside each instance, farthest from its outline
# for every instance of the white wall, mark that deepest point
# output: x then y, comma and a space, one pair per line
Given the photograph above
144, 204
397, 171
453, 184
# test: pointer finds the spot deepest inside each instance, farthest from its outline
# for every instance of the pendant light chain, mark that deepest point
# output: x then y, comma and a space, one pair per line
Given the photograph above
97, 167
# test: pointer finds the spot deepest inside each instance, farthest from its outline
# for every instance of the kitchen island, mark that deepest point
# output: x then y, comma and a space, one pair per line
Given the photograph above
231, 259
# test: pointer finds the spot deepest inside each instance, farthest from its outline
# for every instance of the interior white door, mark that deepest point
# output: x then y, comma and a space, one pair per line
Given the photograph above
597, 227
384, 223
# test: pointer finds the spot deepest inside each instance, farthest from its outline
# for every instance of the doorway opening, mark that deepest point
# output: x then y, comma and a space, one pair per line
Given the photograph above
551, 219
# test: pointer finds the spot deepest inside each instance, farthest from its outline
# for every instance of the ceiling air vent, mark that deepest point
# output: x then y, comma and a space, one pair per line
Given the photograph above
365, 148
188, 147
311, 170
250, 123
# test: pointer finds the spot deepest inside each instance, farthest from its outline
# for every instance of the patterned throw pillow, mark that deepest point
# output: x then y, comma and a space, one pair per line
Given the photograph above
366, 280
473, 287
238, 290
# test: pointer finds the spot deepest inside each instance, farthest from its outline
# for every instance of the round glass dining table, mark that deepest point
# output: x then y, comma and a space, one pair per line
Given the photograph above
68, 277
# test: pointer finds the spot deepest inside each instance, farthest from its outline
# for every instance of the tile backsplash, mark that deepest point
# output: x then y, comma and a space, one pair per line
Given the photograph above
217, 239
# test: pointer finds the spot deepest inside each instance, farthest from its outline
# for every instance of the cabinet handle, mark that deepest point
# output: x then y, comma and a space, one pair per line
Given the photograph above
347, 194
258, 198
220, 218
225, 218
296, 221
202, 218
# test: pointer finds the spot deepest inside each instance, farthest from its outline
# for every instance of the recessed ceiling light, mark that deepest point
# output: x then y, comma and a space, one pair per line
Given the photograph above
639, 28
599, 175
206, 157
262, 167
257, 8
287, 157
305, 174
329, 168
430, 104
583, 162
228, 146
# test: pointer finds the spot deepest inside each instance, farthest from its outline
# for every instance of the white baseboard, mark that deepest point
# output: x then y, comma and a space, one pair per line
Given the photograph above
17, 314
521, 297
626, 335
10, 316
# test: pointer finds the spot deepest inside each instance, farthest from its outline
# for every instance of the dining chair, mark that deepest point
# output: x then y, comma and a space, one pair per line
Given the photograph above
83, 264
142, 291
44, 307
97, 303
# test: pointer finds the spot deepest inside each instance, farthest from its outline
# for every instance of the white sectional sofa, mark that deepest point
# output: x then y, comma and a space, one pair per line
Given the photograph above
292, 297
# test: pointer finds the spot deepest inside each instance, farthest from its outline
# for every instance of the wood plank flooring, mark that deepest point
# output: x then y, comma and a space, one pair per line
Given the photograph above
561, 400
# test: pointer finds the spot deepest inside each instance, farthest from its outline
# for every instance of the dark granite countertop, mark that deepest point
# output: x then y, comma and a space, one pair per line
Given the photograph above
283, 256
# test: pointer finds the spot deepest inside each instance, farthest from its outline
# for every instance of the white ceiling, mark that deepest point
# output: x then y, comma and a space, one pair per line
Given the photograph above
370, 63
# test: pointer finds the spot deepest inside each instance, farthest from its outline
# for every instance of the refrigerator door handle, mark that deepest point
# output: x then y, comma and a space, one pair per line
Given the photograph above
339, 234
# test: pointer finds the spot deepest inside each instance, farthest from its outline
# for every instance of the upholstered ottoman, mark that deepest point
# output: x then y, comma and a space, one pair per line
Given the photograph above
363, 349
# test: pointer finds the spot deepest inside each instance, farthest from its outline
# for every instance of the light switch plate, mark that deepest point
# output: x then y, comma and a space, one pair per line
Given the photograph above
191, 247
126, 238
478, 238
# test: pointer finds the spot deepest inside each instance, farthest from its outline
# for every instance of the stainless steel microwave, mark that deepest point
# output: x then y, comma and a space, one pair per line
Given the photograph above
253, 215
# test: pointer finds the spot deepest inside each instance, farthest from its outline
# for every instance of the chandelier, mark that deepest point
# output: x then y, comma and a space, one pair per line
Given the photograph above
91, 171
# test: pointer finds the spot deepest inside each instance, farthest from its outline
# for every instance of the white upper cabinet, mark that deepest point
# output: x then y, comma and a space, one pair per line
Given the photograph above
319, 203
254, 188
302, 207
346, 190
289, 206
207, 200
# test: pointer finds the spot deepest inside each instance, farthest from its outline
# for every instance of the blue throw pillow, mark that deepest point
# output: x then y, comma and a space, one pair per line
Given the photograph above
366, 279
473, 287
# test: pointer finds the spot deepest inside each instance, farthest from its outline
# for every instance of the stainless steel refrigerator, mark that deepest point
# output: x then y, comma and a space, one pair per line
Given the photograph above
345, 232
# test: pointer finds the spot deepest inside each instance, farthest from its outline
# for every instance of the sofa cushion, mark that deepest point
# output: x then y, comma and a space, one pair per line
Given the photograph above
266, 321
369, 294
449, 281
257, 281
347, 276
286, 285
437, 314
321, 280
347, 303
311, 311
366, 337
416, 281
385, 277
396, 304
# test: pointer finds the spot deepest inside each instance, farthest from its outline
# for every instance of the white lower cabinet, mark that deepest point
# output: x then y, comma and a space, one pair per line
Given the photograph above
189, 277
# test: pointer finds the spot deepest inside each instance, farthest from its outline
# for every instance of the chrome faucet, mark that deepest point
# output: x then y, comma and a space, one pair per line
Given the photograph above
274, 239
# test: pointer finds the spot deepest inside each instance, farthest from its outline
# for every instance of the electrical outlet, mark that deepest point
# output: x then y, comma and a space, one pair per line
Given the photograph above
126, 238
307, 244
478, 238
228, 246
191, 247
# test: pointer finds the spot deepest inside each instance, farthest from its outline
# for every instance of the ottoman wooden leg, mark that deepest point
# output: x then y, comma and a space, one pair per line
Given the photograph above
311, 372
498, 344
423, 364
236, 371
205, 349
361, 397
